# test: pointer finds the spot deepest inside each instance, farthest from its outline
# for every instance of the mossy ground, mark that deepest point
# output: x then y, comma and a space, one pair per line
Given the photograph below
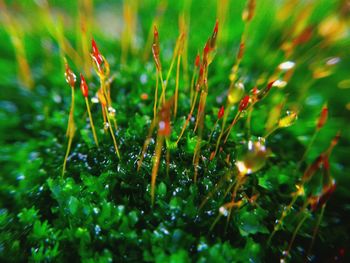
100, 211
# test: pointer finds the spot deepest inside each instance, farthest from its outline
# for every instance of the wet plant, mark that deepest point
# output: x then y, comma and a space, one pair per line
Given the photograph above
206, 131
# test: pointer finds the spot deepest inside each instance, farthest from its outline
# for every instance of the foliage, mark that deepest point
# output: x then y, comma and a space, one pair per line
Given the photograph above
100, 210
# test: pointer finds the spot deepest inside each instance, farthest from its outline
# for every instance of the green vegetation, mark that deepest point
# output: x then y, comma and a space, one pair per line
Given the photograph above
204, 131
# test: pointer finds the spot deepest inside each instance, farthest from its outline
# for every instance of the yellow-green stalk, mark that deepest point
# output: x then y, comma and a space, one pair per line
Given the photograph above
85, 90
71, 79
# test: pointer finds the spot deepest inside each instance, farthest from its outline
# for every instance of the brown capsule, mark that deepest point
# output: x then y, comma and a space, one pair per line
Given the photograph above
323, 117
241, 50
266, 90
69, 75
311, 170
304, 36
249, 11
156, 48
317, 202
164, 127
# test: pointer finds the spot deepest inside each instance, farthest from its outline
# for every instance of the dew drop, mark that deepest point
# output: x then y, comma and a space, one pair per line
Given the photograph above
97, 230
332, 61
287, 65
235, 94
111, 111
143, 78
252, 156
279, 83
202, 246
223, 211
94, 99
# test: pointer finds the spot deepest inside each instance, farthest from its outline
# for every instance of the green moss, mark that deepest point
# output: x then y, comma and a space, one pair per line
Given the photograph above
100, 211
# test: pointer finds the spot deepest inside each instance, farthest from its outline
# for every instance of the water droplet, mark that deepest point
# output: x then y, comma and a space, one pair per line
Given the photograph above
235, 94
202, 246
57, 98
111, 111
279, 83
97, 230
20, 177
143, 78
164, 230
332, 61
94, 99
252, 157
96, 210
223, 211
287, 65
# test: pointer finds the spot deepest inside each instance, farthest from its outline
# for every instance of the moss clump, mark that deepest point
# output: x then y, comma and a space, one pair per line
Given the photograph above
100, 209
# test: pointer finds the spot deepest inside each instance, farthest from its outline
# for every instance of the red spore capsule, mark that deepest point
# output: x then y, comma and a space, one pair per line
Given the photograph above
221, 112
96, 53
83, 86
197, 61
244, 103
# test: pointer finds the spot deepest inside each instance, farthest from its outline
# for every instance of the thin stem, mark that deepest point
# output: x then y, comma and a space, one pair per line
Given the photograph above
171, 67
177, 84
280, 221
212, 130
156, 160
248, 122
200, 133
200, 110
91, 121
70, 139
145, 145
211, 193
308, 148
233, 123
215, 222
167, 158
239, 183
70, 132
112, 133
156, 97
222, 130
192, 86
162, 97
196, 156
286, 253
270, 132
316, 229
188, 117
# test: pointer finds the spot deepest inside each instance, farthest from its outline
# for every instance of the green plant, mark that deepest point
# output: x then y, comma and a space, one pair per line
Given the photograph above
240, 180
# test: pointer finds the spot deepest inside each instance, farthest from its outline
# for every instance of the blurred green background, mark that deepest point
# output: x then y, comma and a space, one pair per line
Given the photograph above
35, 99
